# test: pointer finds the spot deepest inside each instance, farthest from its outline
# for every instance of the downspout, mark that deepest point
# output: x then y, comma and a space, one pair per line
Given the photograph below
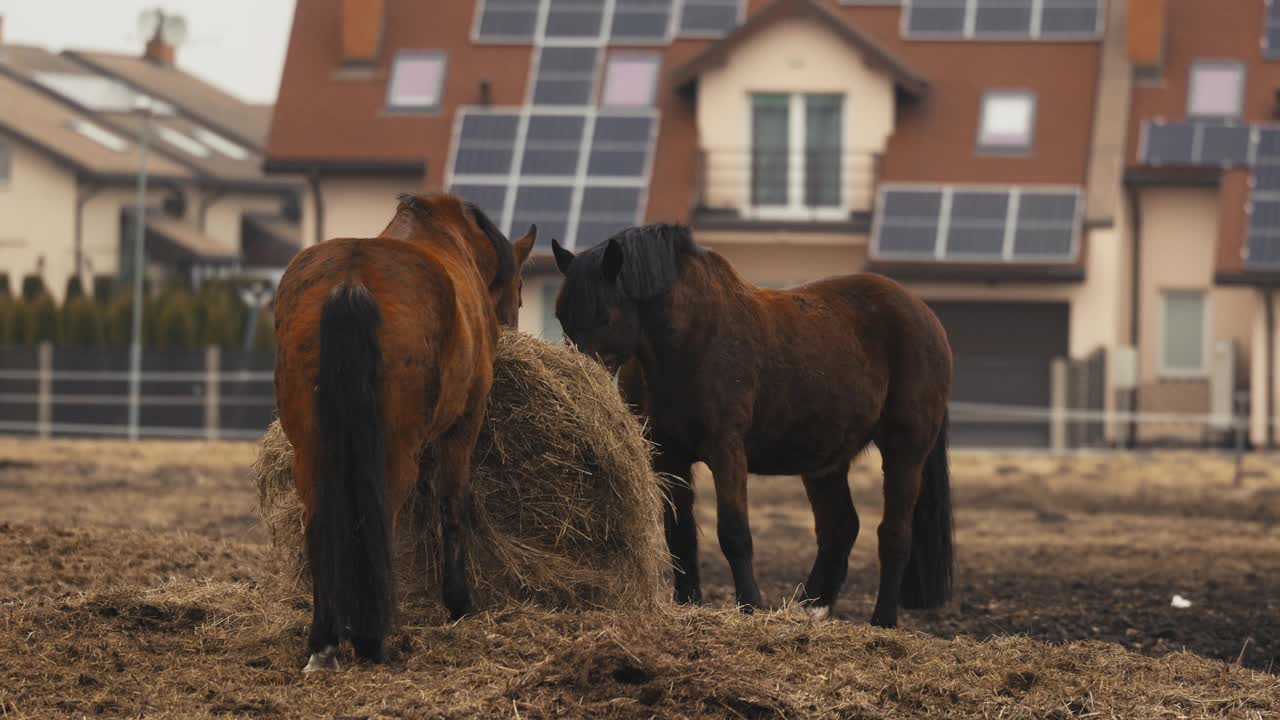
1270, 315
84, 193
318, 202
1135, 300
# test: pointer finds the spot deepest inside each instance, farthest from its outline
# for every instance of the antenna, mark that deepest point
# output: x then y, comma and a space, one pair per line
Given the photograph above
174, 29
171, 27
149, 21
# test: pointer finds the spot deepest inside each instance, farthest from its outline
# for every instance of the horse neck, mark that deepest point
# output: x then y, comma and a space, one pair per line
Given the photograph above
676, 326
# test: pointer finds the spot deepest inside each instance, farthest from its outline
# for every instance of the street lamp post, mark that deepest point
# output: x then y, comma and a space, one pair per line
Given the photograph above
139, 259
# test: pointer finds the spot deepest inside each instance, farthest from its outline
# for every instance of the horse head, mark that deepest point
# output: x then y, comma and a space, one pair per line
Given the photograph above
500, 260
604, 288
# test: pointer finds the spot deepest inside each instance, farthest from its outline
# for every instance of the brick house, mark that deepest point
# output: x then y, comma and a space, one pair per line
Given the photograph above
1022, 164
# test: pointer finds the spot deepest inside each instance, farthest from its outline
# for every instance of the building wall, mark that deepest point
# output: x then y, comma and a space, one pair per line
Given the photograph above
794, 56
222, 219
37, 219
361, 207
101, 229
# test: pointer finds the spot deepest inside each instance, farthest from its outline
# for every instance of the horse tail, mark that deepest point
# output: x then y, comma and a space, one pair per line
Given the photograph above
349, 539
926, 583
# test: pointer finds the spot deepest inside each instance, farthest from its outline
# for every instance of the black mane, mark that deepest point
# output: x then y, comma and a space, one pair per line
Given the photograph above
651, 256
501, 245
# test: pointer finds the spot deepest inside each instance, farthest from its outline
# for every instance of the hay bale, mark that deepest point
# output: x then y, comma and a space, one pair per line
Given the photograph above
567, 509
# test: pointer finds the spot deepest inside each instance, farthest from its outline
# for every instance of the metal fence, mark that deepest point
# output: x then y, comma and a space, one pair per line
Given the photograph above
208, 394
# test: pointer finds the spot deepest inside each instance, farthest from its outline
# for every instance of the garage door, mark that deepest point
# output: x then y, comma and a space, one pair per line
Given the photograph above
1002, 356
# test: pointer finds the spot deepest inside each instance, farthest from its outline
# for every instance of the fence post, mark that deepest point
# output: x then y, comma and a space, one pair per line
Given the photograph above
44, 399
1058, 404
212, 391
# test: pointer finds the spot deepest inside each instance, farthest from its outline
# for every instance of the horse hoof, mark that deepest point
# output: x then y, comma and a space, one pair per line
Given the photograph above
818, 612
324, 660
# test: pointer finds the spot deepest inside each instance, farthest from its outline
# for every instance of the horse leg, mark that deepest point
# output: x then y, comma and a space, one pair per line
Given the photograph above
835, 523
325, 633
903, 479
676, 470
729, 466
453, 488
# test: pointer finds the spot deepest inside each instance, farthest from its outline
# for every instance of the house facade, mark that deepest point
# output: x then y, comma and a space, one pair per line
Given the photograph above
1057, 178
70, 129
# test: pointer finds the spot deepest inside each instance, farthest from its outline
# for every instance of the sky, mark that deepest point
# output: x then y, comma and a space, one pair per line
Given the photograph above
238, 45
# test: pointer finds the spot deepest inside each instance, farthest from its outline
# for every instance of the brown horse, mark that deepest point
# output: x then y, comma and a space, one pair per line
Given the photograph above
387, 344
792, 382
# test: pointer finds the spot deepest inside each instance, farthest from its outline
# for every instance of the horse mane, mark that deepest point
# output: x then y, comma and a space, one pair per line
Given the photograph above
651, 256
505, 254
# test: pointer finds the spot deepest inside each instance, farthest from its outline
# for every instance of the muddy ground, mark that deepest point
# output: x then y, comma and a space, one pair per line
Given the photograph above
124, 568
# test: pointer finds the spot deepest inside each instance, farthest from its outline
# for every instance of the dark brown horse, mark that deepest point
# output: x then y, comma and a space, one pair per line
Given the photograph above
792, 382
387, 344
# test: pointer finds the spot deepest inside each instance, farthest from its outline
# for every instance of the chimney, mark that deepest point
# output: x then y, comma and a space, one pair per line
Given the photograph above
1146, 33
362, 22
159, 50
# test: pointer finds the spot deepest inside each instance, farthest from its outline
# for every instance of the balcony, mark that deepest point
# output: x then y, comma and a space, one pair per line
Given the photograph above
821, 191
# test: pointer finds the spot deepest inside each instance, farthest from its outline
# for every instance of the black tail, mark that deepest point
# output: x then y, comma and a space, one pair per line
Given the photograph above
927, 580
348, 540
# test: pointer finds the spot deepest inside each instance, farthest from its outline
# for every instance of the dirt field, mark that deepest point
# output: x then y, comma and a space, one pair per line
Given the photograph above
136, 581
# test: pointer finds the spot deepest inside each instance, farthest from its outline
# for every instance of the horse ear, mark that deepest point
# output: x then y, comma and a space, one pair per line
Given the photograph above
564, 258
524, 246
612, 264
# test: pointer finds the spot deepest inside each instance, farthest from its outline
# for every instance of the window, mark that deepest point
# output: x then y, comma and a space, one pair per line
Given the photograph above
703, 18
181, 141
630, 80
231, 149
6, 163
417, 80
109, 140
1184, 341
1008, 121
1009, 19
796, 151
1215, 89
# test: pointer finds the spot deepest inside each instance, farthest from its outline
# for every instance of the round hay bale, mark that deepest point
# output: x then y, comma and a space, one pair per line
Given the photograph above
566, 510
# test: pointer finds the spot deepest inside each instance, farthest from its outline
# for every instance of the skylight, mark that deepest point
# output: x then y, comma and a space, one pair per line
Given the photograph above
96, 133
182, 142
221, 144
98, 93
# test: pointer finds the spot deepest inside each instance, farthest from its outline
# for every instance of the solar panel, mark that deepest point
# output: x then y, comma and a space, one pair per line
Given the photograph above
492, 199
486, 144
976, 225
1271, 31
1226, 145
605, 211
1002, 17
1266, 178
1169, 143
1046, 225
709, 17
908, 223
552, 144
936, 17
1060, 18
641, 19
1268, 146
566, 76
546, 206
574, 18
1264, 233
620, 146
508, 19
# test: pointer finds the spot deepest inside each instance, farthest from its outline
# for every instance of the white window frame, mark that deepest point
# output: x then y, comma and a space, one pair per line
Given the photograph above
795, 209
970, 32
1031, 96
1205, 330
391, 107
1216, 63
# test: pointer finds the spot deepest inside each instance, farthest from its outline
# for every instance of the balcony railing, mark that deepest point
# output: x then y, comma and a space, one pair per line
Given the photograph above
800, 185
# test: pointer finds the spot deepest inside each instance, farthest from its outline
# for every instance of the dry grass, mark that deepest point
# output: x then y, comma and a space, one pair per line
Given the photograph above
217, 648
567, 512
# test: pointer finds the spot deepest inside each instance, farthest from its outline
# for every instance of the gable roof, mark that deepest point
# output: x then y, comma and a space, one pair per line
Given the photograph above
715, 55
214, 107
37, 119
